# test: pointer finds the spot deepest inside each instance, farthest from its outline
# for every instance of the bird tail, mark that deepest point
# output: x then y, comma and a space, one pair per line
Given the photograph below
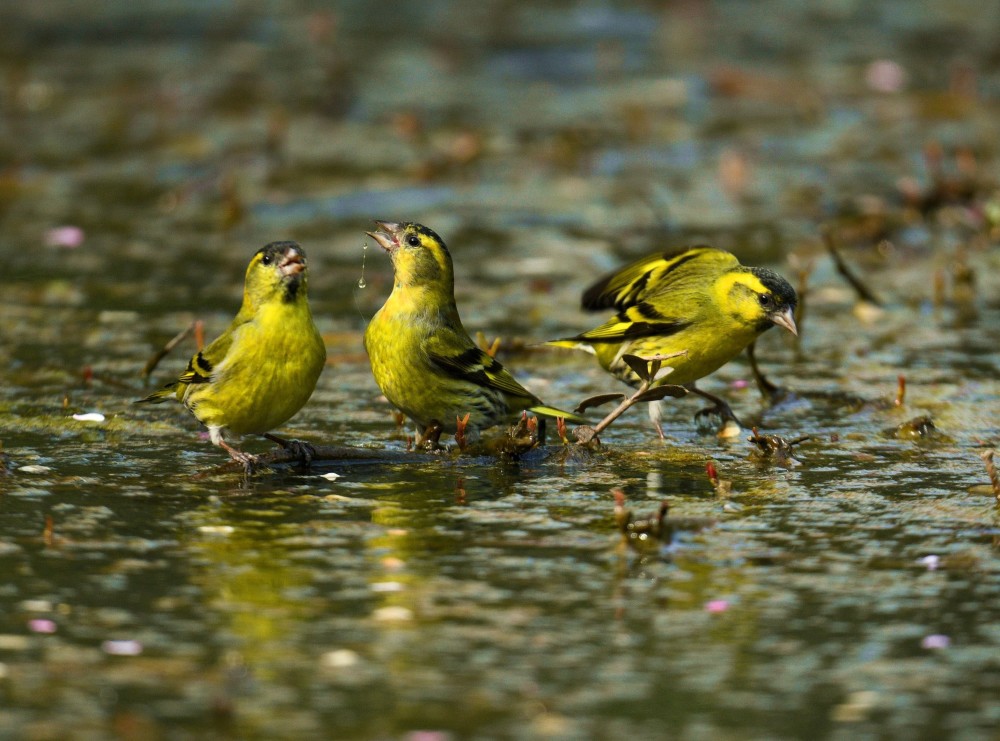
553, 412
573, 343
158, 397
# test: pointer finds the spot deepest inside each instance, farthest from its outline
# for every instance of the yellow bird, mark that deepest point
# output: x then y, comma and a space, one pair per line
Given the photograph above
421, 356
262, 370
700, 301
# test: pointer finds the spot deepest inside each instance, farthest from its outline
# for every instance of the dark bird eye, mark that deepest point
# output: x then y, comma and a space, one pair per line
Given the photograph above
413, 240
764, 299
266, 260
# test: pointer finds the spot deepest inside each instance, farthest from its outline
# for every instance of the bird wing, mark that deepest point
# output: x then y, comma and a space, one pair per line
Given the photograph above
656, 275
465, 361
638, 321
200, 366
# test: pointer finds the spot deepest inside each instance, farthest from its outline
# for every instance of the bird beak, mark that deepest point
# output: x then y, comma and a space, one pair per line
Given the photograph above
786, 320
292, 263
385, 235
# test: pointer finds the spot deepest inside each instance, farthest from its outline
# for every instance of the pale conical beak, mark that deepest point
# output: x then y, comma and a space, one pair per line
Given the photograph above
385, 235
292, 263
787, 320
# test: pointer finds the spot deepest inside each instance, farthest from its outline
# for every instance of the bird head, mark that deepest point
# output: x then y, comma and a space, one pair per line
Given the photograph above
277, 270
760, 298
419, 256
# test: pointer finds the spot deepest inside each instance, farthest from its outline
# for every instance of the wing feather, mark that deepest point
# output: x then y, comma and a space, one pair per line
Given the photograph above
655, 275
470, 363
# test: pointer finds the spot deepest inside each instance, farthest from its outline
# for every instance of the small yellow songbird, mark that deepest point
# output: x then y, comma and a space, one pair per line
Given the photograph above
264, 367
700, 301
421, 356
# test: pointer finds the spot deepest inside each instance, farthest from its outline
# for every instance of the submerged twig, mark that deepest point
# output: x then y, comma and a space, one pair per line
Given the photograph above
324, 456
863, 291
638, 531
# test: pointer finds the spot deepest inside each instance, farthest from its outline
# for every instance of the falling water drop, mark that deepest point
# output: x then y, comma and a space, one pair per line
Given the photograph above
362, 283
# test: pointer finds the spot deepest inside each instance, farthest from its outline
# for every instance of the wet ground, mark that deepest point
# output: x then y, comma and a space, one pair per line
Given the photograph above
850, 591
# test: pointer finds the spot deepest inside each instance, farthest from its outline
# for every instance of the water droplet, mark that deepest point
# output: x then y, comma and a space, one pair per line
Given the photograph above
364, 253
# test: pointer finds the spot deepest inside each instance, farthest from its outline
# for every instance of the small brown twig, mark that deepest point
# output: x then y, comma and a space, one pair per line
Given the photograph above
166, 349
461, 423
48, 531
648, 370
991, 471
900, 391
863, 291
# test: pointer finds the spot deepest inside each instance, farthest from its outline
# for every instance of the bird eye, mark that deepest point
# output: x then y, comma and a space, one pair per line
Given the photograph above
266, 260
764, 299
413, 240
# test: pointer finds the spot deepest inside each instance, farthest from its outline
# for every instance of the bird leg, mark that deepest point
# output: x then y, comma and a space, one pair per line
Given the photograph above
248, 461
299, 448
768, 390
656, 417
430, 437
719, 407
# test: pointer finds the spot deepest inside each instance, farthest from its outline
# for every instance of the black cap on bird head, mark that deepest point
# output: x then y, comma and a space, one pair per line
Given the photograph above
782, 299
288, 259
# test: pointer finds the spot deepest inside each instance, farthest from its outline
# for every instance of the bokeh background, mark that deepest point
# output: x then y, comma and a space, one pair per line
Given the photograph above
148, 148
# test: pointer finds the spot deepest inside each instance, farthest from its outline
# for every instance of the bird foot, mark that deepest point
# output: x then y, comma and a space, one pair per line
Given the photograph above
430, 438
247, 460
303, 451
730, 423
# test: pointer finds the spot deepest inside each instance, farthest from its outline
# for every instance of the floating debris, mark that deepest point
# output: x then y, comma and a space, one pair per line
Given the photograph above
931, 562
216, 529
89, 417
935, 641
42, 625
915, 429
657, 527
122, 648
340, 658
775, 447
393, 614
69, 237
32, 468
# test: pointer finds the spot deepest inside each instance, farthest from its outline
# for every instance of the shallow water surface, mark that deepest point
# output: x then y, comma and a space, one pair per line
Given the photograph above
850, 591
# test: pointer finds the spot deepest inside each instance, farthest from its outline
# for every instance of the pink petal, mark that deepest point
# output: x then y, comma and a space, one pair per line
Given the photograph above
64, 236
41, 625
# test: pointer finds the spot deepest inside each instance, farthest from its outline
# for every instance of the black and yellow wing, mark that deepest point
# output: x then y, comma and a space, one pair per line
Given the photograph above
657, 276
